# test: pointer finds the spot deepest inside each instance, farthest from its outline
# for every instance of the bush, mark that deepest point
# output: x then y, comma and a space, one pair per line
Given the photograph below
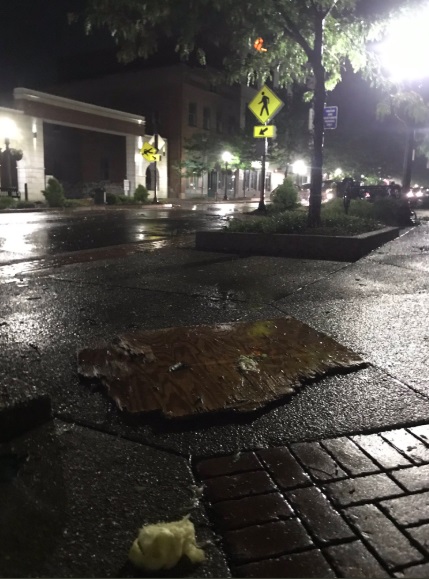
141, 194
7, 202
333, 223
125, 200
285, 196
111, 199
387, 211
72, 203
54, 193
25, 205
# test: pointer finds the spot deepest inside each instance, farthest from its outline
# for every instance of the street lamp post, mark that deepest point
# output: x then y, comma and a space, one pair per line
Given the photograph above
226, 157
406, 61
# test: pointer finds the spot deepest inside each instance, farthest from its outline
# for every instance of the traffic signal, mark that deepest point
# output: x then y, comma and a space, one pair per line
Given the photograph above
259, 45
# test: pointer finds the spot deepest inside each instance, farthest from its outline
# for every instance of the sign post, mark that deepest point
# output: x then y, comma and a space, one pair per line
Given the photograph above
265, 105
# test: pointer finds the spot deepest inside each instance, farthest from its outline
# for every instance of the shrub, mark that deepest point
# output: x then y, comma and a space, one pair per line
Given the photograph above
111, 198
25, 205
332, 223
54, 193
285, 196
7, 202
125, 200
141, 194
72, 203
387, 211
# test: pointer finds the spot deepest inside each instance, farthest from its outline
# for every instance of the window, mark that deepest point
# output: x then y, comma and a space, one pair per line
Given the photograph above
104, 169
206, 118
231, 125
219, 127
192, 114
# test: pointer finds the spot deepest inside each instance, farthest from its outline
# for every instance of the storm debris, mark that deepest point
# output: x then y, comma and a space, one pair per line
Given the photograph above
162, 545
238, 366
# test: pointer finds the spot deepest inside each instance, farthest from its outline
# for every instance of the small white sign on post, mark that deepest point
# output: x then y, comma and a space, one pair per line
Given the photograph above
126, 186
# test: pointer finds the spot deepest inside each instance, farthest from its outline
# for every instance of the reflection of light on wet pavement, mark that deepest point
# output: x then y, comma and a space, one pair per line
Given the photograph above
18, 235
151, 243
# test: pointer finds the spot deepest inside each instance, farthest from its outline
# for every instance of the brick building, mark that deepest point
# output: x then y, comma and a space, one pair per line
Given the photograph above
177, 102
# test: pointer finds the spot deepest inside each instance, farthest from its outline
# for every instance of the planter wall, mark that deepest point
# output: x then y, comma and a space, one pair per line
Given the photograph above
335, 248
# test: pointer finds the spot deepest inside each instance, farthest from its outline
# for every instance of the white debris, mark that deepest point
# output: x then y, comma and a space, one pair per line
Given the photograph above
162, 545
247, 364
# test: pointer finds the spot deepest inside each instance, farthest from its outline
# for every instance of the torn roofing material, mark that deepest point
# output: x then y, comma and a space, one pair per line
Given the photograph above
186, 371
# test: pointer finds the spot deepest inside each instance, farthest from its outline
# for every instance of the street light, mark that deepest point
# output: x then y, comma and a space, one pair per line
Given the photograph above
406, 60
226, 157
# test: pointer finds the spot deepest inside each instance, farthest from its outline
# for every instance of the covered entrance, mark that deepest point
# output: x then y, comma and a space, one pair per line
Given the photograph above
80, 144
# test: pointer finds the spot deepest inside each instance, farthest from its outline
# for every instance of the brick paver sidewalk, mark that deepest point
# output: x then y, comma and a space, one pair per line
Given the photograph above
353, 506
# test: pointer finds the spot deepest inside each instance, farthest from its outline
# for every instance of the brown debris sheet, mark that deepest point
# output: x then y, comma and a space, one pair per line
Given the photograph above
187, 371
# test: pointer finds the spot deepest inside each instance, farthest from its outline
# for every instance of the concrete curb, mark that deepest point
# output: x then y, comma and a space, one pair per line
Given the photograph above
332, 248
21, 408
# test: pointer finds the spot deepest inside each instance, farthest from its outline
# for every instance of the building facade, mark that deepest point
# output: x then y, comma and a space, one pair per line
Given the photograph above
79, 143
178, 101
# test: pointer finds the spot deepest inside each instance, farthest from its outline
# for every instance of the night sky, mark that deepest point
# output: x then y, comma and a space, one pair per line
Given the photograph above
38, 47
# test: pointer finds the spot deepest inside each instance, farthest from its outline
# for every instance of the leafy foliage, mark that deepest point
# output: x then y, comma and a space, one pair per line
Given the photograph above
7, 202
332, 223
285, 196
141, 194
54, 193
308, 42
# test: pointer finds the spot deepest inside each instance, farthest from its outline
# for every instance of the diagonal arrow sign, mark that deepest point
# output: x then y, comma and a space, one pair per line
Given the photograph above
263, 131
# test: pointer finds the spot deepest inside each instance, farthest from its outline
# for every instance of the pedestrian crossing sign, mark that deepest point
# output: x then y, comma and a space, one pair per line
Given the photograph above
265, 105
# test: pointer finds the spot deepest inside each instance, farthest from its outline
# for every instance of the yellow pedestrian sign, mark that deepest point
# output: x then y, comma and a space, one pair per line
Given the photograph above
265, 105
265, 132
149, 152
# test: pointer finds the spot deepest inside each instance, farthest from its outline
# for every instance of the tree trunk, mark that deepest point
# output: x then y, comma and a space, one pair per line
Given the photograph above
408, 160
313, 219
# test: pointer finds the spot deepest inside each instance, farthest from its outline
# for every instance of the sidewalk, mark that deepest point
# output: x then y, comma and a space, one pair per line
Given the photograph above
353, 506
332, 482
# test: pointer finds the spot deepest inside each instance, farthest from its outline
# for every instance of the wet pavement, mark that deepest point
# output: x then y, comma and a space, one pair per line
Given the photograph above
95, 475
28, 235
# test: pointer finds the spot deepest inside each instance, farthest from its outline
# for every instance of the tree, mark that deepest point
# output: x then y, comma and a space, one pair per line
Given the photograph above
411, 110
305, 40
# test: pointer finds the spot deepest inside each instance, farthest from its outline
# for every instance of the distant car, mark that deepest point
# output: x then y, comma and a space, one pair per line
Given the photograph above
418, 196
329, 187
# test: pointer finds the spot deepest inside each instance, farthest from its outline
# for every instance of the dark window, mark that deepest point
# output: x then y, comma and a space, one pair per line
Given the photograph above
192, 114
249, 119
231, 125
206, 118
104, 169
219, 127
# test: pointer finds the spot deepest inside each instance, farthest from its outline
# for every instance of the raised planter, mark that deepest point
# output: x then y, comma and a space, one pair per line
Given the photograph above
332, 248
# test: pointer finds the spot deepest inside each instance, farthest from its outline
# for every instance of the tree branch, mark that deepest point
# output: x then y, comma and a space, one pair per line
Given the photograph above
292, 30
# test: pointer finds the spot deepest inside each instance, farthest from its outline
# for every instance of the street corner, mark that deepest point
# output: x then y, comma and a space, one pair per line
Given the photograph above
73, 500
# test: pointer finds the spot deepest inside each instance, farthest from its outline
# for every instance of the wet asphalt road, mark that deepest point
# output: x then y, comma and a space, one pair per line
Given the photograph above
30, 235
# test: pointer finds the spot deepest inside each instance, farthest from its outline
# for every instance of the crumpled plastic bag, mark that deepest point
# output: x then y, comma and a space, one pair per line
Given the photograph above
162, 545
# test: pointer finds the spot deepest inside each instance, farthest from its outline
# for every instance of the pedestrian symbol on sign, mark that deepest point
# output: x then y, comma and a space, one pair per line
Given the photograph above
264, 102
